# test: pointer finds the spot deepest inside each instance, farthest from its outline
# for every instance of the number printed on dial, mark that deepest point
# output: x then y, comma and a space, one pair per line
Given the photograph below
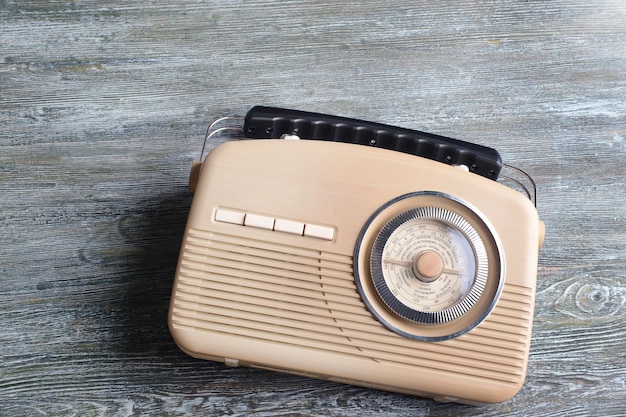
428, 265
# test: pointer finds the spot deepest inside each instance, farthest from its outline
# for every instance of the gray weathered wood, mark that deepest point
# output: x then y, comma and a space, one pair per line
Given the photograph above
103, 106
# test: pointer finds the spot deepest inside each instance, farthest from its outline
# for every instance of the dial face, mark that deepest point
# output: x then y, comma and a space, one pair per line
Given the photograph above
429, 265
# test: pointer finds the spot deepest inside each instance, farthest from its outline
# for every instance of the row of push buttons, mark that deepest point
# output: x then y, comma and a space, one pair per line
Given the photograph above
271, 223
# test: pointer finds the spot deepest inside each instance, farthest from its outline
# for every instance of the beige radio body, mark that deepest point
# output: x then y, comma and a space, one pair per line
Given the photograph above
265, 274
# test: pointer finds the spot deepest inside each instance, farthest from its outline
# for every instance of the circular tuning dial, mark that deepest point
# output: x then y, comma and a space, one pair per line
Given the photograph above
425, 263
432, 262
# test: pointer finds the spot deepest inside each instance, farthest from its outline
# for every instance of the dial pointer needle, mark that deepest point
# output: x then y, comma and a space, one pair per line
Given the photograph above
397, 262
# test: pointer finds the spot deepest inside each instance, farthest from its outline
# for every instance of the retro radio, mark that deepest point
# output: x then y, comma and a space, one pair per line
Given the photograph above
360, 253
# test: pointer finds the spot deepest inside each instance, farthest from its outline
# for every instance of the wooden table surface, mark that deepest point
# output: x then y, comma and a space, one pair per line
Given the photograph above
104, 104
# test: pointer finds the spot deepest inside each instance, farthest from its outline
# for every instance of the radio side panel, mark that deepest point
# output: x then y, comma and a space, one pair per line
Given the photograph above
252, 296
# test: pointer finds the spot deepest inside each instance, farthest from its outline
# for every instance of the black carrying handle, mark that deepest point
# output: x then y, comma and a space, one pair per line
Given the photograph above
273, 122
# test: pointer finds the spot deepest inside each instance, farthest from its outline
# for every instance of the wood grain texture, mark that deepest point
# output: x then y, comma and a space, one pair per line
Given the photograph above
103, 105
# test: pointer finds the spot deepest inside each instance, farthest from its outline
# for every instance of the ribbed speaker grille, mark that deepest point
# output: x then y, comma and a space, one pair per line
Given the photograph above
298, 296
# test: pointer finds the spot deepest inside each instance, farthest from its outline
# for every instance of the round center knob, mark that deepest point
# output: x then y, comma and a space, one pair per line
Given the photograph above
428, 266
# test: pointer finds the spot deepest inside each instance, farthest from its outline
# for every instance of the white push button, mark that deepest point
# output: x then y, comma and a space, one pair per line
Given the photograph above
256, 220
288, 226
320, 232
229, 216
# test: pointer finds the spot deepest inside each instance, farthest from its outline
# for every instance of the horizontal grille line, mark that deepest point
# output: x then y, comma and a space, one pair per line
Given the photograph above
511, 340
226, 247
491, 360
246, 299
350, 304
511, 381
515, 296
505, 304
261, 276
269, 246
323, 328
296, 264
265, 331
278, 269
252, 279
210, 290
305, 314
374, 332
377, 336
506, 316
506, 319
518, 290
242, 300
511, 328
